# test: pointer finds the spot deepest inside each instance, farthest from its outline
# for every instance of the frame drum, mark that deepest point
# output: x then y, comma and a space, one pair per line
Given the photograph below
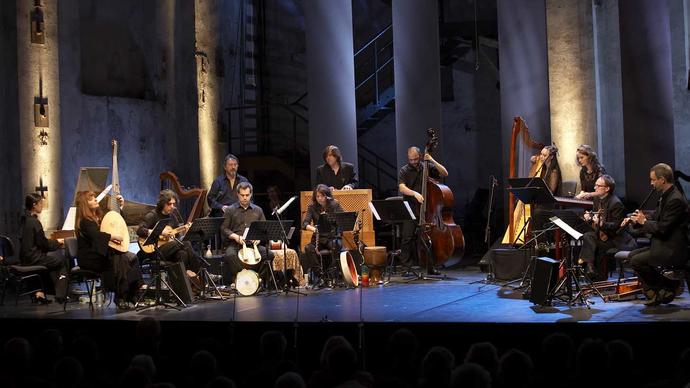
347, 265
375, 258
247, 282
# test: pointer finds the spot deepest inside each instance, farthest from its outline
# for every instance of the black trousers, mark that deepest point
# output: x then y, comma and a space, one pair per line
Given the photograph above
409, 244
311, 259
233, 264
56, 262
646, 265
176, 251
593, 249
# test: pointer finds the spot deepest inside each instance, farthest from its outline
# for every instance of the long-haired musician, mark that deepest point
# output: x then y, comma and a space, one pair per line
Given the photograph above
590, 170
173, 250
322, 202
36, 249
335, 173
119, 271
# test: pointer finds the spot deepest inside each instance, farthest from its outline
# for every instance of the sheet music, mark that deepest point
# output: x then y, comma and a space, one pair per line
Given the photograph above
409, 210
374, 212
567, 228
70, 219
103, 193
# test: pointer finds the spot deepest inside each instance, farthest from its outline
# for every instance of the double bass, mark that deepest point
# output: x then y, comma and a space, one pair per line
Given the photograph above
437, 227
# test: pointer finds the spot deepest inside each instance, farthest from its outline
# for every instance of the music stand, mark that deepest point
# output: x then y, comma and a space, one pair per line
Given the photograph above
531, 191
394, 212
203, 229
335, 224
572, 272
153, 239
266, 231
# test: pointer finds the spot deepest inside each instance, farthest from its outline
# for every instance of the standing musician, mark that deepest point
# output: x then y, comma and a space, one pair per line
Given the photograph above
605, 221
174, 250
119, 271
410, 186
36, 249
335, 173
223, 192
322, 202
668, 229
238, 218
590, 170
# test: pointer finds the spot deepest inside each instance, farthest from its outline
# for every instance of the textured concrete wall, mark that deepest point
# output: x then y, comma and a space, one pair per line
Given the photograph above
147, 129
678, 12
417, 74
11, 192
647, 91
523, 70
571, 80
39, 76
609, 96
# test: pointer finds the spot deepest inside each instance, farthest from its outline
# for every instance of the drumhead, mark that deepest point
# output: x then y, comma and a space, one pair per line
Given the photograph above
247, 282
347, 265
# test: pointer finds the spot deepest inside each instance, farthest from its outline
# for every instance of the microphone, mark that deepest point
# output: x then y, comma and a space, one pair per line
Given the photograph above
284, 207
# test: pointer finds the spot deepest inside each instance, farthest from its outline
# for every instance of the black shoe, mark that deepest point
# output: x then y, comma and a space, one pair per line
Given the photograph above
665, 295
42, 300
433, 271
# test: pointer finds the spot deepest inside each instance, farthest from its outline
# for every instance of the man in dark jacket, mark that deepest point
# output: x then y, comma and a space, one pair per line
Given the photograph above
669, 241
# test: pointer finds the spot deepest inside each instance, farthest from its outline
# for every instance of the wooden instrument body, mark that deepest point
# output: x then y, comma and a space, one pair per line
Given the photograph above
347, 265
249, 256
163, 238
436, 216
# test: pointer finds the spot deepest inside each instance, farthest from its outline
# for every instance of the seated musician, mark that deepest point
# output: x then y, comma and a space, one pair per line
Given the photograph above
335, 173
36, 249
667, 228
223, 191
173, 250
410, 186
590, 171
119, 271
606, 218
321, 203
550, 171
238, 218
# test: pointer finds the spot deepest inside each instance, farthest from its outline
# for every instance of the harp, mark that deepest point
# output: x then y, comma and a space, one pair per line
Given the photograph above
191, 200
522, 147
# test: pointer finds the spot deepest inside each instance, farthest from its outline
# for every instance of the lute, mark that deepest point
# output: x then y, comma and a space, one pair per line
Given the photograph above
163, 238
112, 222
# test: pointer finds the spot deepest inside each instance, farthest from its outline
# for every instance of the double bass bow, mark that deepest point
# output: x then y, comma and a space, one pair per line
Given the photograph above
441, 236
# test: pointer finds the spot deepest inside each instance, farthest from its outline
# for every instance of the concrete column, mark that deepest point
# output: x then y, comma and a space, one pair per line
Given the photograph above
571, 80
207, 33
678, 12
330, 79
647, 91
524, 73
417, 73
609, 95
39, 104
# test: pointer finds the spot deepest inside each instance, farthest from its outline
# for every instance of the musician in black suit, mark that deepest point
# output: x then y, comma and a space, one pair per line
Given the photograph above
322, 202
335, 173
668, 228
606, 219
223, 191
238, 218
173, 250
410, 186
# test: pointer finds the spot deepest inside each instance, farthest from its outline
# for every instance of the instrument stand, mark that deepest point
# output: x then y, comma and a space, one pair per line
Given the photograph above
487, 229
572, 272
203, 229
272, 230
157, 279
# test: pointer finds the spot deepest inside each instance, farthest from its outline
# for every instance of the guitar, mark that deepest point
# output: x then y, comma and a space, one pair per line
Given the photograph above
249, 256
163, 239
112, 222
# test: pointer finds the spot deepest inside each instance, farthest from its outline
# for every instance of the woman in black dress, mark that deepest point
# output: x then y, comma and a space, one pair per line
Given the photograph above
119, 271
590, 171
322, 202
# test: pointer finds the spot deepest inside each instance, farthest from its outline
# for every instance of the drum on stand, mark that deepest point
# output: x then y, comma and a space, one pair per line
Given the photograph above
247, 282
375, 258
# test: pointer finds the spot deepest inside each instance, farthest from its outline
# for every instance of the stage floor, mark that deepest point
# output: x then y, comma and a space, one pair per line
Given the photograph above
463, 298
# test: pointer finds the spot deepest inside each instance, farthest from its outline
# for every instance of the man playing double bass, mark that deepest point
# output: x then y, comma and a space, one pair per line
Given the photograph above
410, 186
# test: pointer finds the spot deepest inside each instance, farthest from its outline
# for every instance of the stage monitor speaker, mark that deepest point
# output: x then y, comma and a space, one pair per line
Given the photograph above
179, 281
509, 263
544, 279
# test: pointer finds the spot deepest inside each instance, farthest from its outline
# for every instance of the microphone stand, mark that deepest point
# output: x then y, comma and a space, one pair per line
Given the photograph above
286, 285
487, 230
